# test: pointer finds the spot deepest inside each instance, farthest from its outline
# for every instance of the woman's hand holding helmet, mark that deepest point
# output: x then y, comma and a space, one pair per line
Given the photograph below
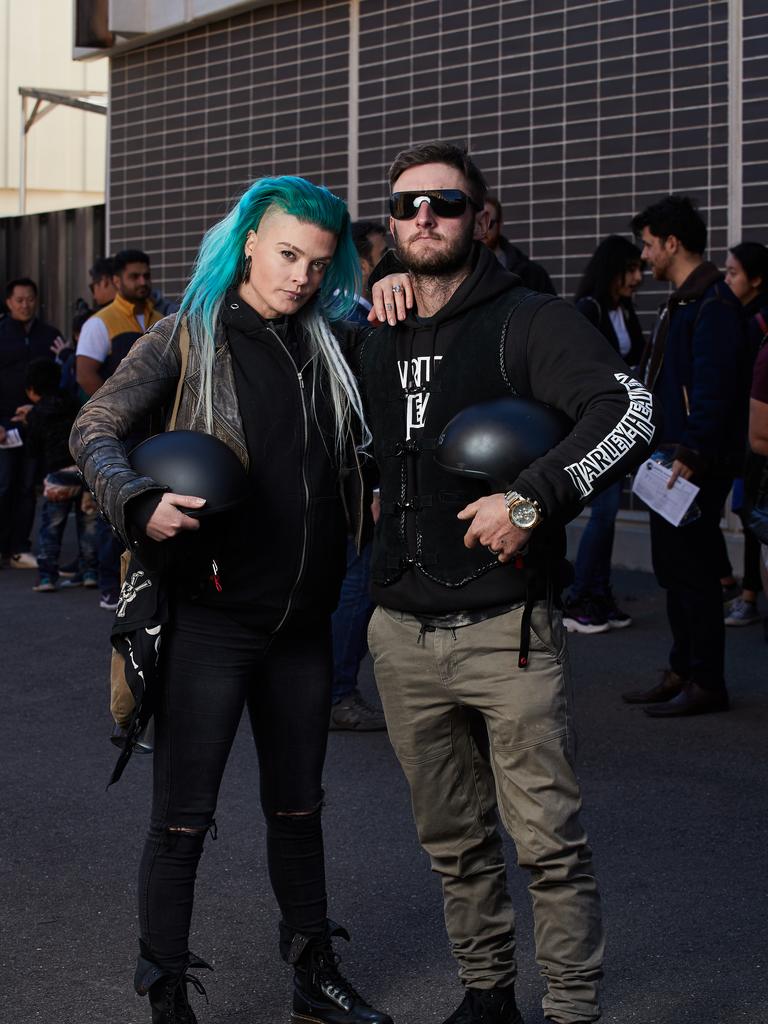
168, 519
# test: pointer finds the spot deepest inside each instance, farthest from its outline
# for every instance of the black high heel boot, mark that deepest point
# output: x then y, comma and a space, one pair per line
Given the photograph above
167, 990
321, 994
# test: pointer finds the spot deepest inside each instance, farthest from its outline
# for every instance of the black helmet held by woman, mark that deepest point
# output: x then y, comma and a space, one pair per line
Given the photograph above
190, 462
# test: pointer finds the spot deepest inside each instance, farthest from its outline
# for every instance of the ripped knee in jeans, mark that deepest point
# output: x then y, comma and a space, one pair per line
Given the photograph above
187, 830
300, 814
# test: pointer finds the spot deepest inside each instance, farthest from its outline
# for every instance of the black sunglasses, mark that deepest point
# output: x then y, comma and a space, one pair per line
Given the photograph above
445, 202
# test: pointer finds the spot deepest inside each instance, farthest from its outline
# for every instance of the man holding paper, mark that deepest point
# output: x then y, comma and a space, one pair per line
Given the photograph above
697, 365
23, 337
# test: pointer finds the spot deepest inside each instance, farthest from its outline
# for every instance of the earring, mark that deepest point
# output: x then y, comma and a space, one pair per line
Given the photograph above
247, 269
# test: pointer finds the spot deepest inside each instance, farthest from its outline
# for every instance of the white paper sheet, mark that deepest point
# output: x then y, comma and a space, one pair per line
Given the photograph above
650, 484
12, 439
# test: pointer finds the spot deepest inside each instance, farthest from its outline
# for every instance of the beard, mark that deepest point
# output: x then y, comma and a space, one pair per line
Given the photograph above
437, 264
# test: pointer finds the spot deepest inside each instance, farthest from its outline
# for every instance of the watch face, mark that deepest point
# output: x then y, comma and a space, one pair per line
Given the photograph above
524, 514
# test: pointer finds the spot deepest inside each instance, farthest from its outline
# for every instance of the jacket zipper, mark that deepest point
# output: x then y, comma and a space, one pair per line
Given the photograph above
302, 563
361, 509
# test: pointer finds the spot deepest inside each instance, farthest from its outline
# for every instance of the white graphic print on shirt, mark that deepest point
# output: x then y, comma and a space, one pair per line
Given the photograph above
635, 426
422, 369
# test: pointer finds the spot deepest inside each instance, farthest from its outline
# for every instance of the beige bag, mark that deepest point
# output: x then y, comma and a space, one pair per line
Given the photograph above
122, 702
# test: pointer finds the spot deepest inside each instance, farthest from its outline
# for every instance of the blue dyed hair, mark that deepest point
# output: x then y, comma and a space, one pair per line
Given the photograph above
220, 265
220, 262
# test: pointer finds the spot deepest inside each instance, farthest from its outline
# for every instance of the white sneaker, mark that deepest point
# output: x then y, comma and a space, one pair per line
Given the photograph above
45, 585
742, 613
24, 560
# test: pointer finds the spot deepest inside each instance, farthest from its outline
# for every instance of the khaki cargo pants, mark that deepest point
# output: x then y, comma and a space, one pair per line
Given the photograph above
427, 681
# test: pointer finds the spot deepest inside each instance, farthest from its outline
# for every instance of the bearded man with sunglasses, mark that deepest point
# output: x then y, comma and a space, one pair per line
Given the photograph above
468, 583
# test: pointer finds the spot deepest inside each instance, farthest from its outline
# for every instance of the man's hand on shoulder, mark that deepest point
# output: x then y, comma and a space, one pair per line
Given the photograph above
491, 527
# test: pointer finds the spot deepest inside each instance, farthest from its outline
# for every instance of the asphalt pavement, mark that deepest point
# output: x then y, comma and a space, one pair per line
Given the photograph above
676, 811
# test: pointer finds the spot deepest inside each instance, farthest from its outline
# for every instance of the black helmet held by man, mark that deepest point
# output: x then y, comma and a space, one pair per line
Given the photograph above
496, 440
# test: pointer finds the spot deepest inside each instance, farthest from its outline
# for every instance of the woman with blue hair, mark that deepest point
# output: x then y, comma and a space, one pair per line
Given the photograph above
251, 599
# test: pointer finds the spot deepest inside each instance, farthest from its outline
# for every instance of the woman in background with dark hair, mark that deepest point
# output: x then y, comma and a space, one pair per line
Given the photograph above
746, 274
604, 296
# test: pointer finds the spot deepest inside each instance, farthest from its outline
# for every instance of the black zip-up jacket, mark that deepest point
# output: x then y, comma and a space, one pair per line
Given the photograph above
281, 570
286, 545
698, 367
559, 359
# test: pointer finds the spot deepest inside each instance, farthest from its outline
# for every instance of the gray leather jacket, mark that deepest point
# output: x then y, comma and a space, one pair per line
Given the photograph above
144, 384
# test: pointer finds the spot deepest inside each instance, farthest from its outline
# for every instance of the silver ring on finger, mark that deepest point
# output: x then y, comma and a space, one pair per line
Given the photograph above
396, 289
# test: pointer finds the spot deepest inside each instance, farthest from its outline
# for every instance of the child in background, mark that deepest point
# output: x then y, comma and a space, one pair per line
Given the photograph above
69, 363
48, 425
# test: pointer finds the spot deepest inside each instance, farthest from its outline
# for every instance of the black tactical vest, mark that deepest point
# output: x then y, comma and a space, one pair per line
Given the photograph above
472, 370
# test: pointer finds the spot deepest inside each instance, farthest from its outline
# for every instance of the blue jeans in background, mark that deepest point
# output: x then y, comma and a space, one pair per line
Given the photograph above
53, 521
110, 548
17, 501
350, 622
593, 561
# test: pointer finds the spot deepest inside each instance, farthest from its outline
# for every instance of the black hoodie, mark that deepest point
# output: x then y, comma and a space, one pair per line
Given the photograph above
561, 360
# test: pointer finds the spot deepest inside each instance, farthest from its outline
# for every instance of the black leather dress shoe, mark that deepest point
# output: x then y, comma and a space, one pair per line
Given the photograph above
671, 684
692, 700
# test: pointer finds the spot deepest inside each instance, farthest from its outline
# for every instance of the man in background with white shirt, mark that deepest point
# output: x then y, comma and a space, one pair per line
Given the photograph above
104, 341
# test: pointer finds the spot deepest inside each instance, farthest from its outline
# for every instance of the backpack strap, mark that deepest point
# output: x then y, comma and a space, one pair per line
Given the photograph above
184, 351
525, 306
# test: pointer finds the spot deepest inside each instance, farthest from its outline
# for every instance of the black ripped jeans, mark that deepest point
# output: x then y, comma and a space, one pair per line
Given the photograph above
213, 667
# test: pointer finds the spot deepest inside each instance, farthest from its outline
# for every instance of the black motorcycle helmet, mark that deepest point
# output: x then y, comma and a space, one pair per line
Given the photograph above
497, 439
189, 462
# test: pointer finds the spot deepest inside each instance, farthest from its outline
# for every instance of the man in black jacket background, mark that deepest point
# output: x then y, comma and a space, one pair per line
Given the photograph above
532, 274
698, 366
23, 337
468, 582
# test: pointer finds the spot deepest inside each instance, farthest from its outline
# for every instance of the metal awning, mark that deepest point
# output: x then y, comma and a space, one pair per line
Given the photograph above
45, 100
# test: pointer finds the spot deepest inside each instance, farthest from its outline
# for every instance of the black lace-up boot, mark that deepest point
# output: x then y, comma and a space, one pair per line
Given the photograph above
321, 994
487, 1006
167, 990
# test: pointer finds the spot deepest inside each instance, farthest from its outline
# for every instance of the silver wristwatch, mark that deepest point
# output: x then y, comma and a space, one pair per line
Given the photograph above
524, 513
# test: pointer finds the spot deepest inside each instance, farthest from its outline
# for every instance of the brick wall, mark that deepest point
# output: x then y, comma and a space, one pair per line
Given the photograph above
580, 113
197, 117
755, 89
